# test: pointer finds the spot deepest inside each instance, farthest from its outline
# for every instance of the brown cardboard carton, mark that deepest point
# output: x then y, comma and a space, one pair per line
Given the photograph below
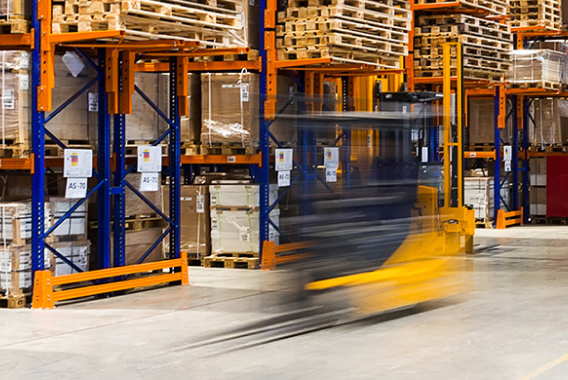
195, 219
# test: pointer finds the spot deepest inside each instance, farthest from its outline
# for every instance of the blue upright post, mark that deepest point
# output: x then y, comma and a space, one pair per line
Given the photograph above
526, 210
104, 170
264, 174
38, 145
118, 190
515, 155
175, 170
497, 177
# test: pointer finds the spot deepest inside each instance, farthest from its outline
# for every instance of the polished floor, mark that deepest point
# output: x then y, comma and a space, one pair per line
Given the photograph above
512, 326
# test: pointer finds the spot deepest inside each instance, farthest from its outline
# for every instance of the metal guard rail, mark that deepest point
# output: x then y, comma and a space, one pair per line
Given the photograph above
45, 297
269, 251
506, 219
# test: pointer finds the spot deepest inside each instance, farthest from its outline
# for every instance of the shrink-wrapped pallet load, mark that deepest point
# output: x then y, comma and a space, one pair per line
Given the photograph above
537, 69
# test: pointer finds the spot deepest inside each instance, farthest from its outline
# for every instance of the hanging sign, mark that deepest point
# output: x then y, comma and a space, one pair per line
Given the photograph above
331, 158
78, 163
149, 182
149, 159
284, 160
76, 188
331, 175
283, 178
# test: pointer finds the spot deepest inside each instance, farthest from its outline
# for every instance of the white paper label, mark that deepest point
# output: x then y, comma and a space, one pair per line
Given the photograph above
76, 188
24, 82
78, 163
507, 153
73, 62
331, 175
149, 182
331, 158
507, 166
149, 159
93, 102
284, 159
369, 145
8, 100
200, 206
24, 60
214, 223
213, 199
283, 179
231, 159
244, 233
244, 92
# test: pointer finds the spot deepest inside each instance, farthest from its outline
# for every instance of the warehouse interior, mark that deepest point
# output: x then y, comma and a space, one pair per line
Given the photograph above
244, 189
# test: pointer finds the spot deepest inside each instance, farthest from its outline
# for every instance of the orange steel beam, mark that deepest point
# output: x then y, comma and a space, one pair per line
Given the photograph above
301, 62
202, 52
17, 41
127, 90
219, 159
182, 85
139, 45
44, 295
271, 68
479, 154
111, 80
480, 92
47, 76
84, 36
501, 120
155, 67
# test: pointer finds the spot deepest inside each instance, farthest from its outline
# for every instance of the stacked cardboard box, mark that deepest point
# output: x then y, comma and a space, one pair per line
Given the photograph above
235, 220
15, 248
537, 190
77, 252
541, 68
195, 224
479, 194
229, 110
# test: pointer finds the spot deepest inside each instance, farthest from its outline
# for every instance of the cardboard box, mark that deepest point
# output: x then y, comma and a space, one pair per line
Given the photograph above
479, 194
77, 252
76, 223
15, 282
195, 223
229, 195
537, 201
136, 206
16, 221
138, 242
538, 171
237, 231
481, 123
20, 258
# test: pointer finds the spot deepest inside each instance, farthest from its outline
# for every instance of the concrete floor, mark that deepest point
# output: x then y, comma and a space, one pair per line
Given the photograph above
513, 326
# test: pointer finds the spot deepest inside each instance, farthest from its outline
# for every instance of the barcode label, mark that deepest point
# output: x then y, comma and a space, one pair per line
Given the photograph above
244, 233
8, 100
200, 204
244, 92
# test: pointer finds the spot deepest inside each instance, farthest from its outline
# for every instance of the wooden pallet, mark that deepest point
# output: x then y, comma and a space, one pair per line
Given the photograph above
480, 223
450, 19
467, 50
538, 219
231, 262
442, 38
535, 23
366, 4
553, 86
235, 254
14, 26
483, 147
344, 40
190, 149
558, 221
15, 301
227, 150
467, 74
468, 29
52, 149
137, 222
322, 25
493, 6
310, 52
401, 19
14, 151
468, 62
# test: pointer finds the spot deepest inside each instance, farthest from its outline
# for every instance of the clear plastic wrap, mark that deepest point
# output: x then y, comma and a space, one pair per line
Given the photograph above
547, 127
534, 66
75, 251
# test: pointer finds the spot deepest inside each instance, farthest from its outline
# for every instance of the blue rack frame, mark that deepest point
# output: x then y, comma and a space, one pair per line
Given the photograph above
111, 186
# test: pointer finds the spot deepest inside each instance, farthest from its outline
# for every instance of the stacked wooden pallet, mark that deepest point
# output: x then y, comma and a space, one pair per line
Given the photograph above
496, 7
536, 14
212, 22
367, 31
15, 16
486, 46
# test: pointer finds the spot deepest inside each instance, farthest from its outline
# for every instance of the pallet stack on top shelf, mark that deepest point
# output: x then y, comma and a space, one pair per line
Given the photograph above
16, 16
535, 14
361, 31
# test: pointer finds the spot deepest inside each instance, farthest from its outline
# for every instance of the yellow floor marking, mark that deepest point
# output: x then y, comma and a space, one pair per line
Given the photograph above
545, 368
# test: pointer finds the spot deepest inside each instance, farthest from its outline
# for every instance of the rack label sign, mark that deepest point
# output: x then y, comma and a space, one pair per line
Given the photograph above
284, 160
149, 182
245, 92
93, 102
76, 188
331, 158
78, 163
331, 175
149, 159
283, 178
200, 206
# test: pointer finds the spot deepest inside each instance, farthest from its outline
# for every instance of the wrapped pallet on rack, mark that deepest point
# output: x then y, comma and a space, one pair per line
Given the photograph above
235, 224
479, 194
370, 32
546, 131
537, 14
195, 224
533, 68
537, 190
16, 15
486, 45
16, 251
212, 24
